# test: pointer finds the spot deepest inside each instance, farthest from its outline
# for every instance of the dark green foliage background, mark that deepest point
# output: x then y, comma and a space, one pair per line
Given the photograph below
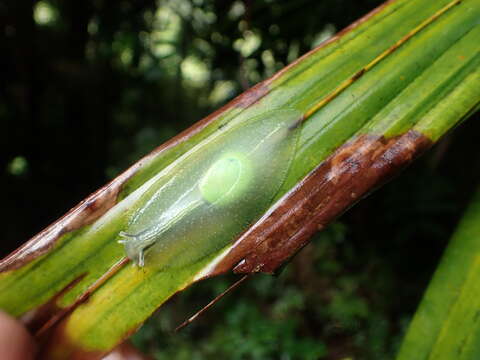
88, 87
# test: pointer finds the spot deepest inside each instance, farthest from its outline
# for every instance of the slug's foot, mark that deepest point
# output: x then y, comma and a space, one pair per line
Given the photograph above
132, 249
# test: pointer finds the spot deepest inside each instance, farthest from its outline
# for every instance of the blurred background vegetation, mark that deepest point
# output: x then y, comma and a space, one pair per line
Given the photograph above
88, 87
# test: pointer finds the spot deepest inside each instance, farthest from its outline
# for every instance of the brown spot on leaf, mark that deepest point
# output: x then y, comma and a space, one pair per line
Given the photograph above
37, 317
351, 172
253, 95
358, 74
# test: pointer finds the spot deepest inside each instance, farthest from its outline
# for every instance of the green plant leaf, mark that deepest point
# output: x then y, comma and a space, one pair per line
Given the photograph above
371, 99
446, 324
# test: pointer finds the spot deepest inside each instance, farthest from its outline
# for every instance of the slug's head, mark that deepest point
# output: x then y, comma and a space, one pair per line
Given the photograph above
134, 247
227, 179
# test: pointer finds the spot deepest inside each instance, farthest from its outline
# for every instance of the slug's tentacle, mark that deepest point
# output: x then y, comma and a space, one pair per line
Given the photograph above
125, 237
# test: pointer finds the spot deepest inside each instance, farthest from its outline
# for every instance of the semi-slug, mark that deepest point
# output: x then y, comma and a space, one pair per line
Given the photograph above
213, 192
